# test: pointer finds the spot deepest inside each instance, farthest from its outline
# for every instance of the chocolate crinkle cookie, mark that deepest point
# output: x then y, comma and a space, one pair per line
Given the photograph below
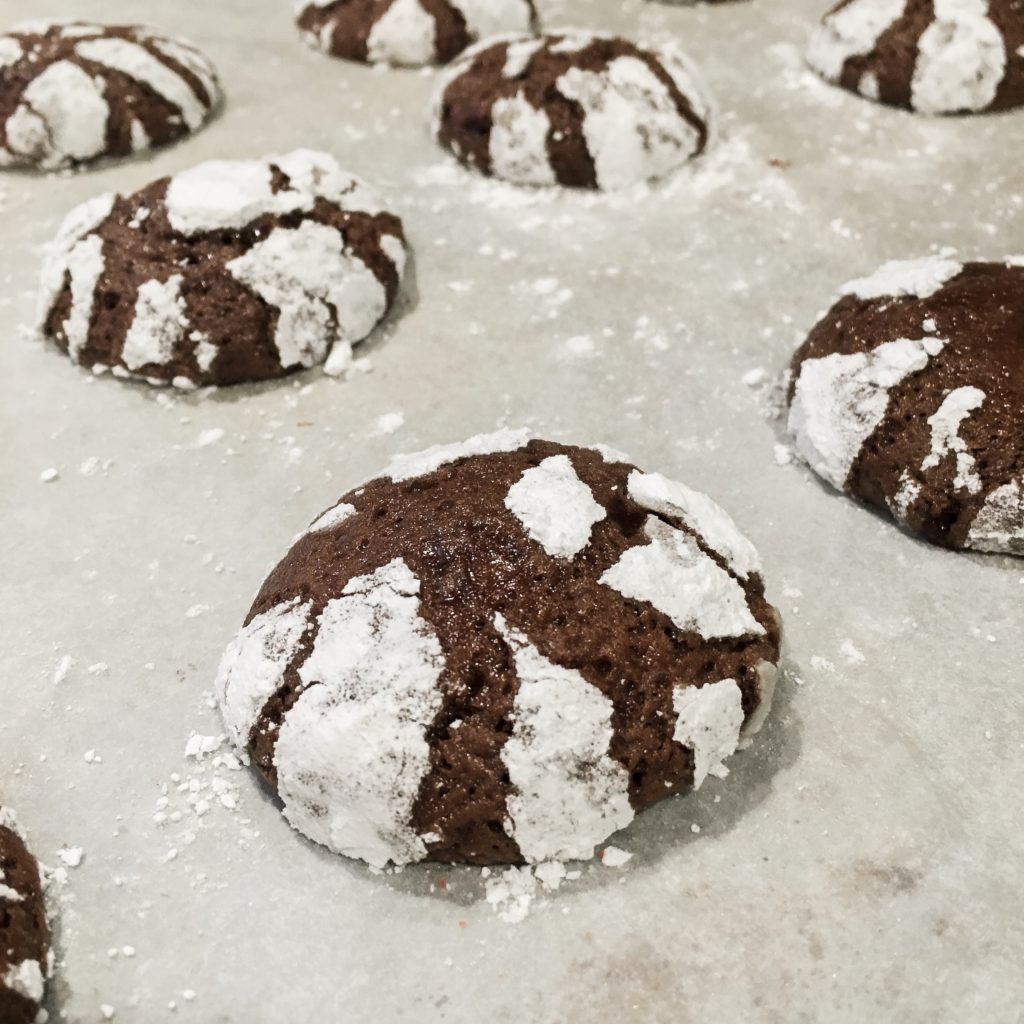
932, 56
72, 92
571, 108
909, 394
500, 651
411, 33
26, 962
230, 271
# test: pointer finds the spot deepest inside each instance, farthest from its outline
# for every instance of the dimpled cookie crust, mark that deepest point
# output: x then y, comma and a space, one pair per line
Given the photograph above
500, 651
72, 92
571, 108
410, 33
230, 271
25, 958
909, 394
931, 56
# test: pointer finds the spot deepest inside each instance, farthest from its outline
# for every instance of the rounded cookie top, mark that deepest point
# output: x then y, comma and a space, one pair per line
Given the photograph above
408, 32
230, 271
909, 394
499, 651
941, 57
571, 108
25, 958
72, 92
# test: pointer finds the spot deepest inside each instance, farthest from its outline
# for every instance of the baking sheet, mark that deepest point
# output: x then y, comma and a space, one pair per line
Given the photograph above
862, 860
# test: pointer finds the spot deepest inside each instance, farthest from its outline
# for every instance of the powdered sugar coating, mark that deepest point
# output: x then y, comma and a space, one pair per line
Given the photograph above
27, 979
961, 59
919, 278
405, 467
67, 113
708, 721
570, 795
631, 123
555, 507
326, 286
951, 57
839, 401
625, 114
329, 519
408, 33
324, 295
673, 574
254, 663
945, 423
352, 750
706, 518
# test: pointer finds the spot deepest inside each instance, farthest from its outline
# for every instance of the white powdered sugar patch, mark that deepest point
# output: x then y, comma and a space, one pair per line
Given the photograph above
27, 979
570, 795
61, 117
676, 577
329, 519
961, 59
253, 665
515, 892
11, 51
918, 278
138, 63
221, 194
633, 130
158, 325
945, 424
908, 491
657, 493
840, 400
518, 56
307, 273
557, 509
404, 34
406, 467
519, 142
852, 31
352, 752
999, 525
708, 721
85, 265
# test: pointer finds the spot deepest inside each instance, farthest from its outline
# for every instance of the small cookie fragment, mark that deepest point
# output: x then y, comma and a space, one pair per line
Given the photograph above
26, 962
499, 652
408, 33
73, 92
573, 108
231, 271
909, 394
941, 57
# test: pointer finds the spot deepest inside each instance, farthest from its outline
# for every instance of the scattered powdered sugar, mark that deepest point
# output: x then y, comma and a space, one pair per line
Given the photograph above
570, 795
919, 278
840, 399
945, 424
961, 59
613, 857
406, 467
557, 509
513, 893
673, 574
657, 493
999, 525
708, 721
370, 693
254, 663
